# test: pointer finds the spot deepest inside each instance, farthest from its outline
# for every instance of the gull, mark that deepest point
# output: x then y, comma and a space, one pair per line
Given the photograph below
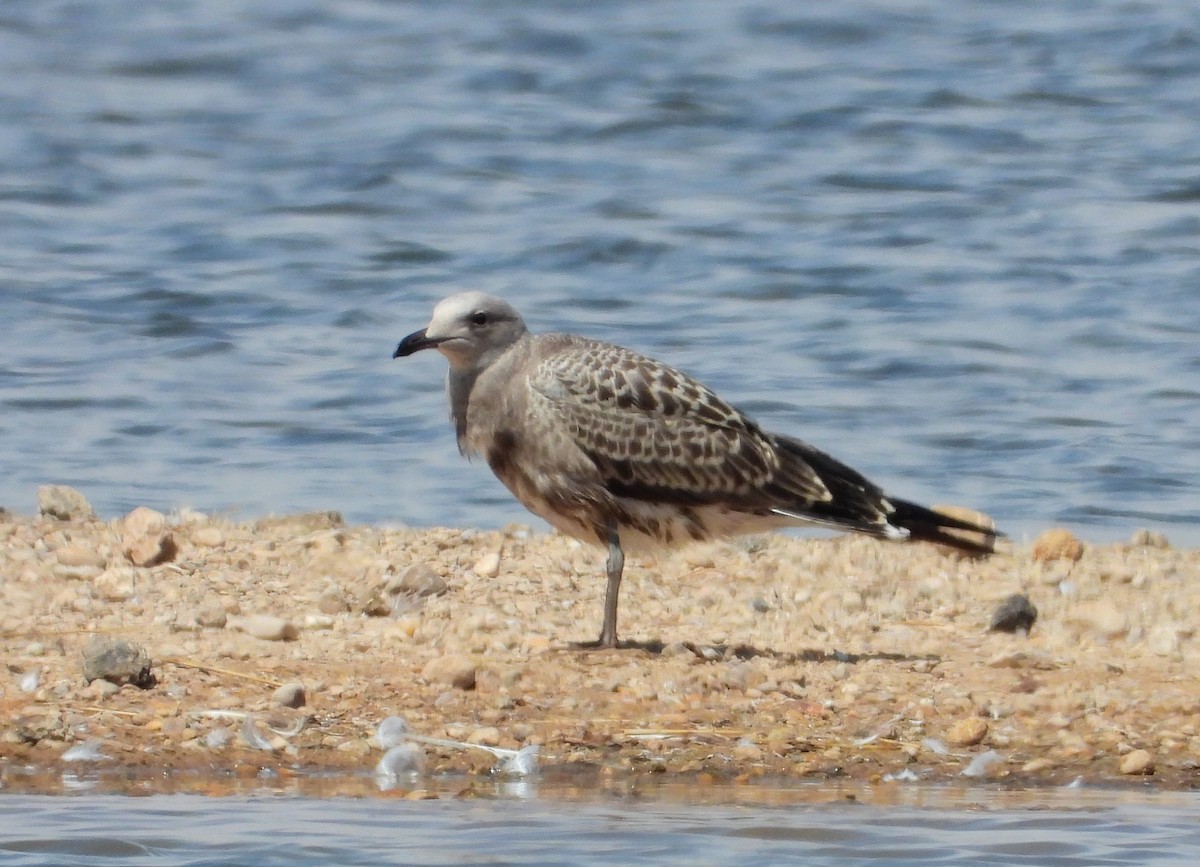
616, 449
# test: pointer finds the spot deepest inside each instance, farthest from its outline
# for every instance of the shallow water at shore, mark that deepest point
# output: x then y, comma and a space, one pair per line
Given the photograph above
1013, 828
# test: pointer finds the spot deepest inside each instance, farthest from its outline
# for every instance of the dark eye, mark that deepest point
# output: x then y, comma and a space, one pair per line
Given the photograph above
479, 318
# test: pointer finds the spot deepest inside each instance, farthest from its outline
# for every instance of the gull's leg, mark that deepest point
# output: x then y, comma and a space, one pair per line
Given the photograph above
616, 566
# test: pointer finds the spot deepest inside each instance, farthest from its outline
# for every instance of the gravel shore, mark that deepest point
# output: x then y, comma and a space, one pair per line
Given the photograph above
223, 651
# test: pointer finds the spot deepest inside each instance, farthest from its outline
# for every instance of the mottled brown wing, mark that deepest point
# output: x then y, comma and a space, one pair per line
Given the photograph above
657, 434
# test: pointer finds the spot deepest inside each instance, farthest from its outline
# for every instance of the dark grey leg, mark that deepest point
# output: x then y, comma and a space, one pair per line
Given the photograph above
616, 566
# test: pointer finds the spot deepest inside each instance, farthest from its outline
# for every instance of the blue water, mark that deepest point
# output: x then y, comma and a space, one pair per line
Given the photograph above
184, 830
954, 243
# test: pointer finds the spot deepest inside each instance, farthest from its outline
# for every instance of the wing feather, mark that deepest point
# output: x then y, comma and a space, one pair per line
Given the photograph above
656, 433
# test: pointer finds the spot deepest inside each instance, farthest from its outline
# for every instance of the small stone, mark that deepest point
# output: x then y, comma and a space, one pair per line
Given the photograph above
208, 537
1137, 762
417, 580
742, 676
373, 602
1101, 618
1149, 539
1057, 544
268, 627
101, 689
967, 732
75, 573
1163, 640
117, 584
290, 695
488, 736
454, 669
1016, 613
79, 555
487, 566
212, 616
318, 621
64, 503
146, 539
117, 661
333, 601
852, 601
676, 648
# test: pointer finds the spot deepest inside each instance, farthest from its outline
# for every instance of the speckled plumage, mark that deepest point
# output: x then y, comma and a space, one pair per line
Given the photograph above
616, 448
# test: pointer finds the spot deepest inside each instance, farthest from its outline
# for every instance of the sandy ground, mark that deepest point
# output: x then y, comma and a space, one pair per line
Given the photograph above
761, 658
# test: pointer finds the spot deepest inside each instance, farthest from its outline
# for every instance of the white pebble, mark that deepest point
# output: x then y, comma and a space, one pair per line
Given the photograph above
488, 566
269, 628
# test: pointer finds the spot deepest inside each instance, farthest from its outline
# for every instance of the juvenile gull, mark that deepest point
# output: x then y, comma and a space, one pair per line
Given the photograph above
619, 450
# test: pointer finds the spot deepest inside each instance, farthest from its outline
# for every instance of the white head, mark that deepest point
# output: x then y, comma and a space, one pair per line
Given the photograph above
471, 329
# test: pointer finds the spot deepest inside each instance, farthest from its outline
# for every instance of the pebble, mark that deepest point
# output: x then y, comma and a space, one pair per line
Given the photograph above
75, 573
1149, 539
268, 627
146, 540
64, 503
333, 601
967, 732
1137, 762
454, 669
318, 621
208, 537
418, 580
79, 555
290, 695
487, 566
1101, 618
1057, 544
488, 736
118, 661
1163, 640
117, 584
212, 616
101, 689
1016, 613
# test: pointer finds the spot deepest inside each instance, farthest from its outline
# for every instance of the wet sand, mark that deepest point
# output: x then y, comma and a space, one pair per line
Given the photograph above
765, 658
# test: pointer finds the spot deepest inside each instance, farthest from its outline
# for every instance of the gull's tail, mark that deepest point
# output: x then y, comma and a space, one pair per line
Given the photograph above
964, 529
852, 502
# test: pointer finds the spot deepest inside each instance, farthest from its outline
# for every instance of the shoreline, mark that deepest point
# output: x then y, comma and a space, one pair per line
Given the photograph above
768, 658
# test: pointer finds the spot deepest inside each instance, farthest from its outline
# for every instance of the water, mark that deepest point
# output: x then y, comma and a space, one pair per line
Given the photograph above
954, 243
186, 830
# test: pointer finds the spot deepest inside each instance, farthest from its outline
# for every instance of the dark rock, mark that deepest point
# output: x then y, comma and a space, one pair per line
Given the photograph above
1015, 614
117, 661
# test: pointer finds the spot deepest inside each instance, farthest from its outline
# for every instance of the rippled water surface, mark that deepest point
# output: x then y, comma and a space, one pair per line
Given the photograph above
954, 243
175, 830
186, 830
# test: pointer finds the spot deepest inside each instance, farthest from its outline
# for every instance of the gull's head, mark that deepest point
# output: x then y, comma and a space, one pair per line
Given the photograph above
471, 329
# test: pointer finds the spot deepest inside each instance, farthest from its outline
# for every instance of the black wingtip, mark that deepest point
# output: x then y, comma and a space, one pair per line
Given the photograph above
964, 529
